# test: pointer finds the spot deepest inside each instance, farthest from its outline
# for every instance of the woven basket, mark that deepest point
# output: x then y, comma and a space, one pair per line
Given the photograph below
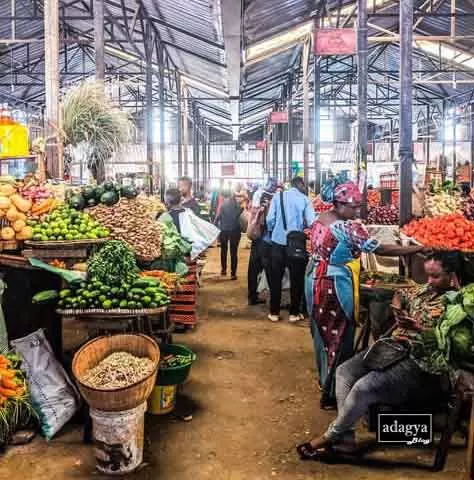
126, 398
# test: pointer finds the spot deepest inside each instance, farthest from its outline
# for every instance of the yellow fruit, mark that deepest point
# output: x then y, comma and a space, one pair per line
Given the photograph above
6, 190
7, 233
12, 213
4, 203
25, 234
22, 204
18, 225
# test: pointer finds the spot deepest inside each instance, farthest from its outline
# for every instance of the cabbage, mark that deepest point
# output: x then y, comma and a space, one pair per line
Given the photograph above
453, 315
468, 299
462, 340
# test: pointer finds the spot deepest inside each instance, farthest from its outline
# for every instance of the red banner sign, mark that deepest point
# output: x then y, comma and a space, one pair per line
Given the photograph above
228, 170
261, 144
279, 117
334, 41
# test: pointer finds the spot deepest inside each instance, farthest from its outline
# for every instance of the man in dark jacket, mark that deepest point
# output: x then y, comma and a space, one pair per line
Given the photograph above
228, 220
185, 187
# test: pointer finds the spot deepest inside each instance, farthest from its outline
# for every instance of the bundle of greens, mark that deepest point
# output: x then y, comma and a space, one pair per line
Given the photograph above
113, 264
452, 341
173, 245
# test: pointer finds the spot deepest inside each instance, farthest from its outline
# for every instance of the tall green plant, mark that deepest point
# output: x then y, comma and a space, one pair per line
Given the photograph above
90, 116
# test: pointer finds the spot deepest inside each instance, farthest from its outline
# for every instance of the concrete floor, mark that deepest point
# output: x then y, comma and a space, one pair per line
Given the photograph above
252, 397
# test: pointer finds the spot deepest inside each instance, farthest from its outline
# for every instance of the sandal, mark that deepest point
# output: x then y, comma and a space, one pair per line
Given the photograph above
307, 452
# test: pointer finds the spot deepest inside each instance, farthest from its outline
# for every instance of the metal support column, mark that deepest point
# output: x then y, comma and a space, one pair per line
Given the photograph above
275, 150
405, 124
203, 155
392, 153
290, 128
454, 143
179, 126
444, 124
184, 94
161, 86
362, 78
99, 39
428, 135
471, 111
208, 155
317, 124
149, 105
284, 136
54, 164
305, 60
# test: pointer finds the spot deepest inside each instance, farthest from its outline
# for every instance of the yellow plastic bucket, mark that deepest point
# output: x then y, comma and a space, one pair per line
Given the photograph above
162, 399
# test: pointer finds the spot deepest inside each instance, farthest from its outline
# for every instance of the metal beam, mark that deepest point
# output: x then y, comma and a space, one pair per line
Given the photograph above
232, 27
362, 54
99, 39
149, 107
54, 166
405, 128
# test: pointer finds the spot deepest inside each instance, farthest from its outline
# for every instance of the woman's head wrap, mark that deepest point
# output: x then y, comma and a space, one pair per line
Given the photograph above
341, 189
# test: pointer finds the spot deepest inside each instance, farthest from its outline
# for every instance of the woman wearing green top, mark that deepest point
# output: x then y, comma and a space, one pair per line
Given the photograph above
362, 381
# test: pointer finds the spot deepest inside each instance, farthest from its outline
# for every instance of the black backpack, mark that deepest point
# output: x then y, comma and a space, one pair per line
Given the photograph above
295, 240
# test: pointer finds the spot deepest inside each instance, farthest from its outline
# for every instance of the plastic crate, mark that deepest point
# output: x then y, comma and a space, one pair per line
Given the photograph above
183, 298
184, 319
190, 288
181, 309
389, 181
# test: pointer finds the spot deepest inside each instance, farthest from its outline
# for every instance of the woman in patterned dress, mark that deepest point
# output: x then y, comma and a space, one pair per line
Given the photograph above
332, 282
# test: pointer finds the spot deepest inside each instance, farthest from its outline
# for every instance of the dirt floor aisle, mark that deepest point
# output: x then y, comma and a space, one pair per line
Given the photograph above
252, 397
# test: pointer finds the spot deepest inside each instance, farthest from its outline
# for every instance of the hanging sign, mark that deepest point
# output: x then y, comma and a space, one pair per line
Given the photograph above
279, 117
228, 170
261, 144
334, 41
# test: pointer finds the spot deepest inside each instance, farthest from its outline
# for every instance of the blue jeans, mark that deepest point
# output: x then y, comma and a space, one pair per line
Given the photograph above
358, 388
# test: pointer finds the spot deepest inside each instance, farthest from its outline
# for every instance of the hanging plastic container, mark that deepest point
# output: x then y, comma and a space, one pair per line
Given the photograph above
13, 136
118, 439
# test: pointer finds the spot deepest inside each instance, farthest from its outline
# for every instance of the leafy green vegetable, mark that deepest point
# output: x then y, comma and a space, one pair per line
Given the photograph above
468, 299
454, 314
113, 264
462, 341
174, 246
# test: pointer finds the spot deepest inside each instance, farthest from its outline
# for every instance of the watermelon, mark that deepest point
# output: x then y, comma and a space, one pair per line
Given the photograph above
109, 198
128, 192
77, 202
88, 192
109, 186
99, 191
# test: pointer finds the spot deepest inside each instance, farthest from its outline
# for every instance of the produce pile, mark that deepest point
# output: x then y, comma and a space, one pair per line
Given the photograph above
373, 198
130, 222
174, 246
118, 370
384, 215
452, 341
443, 203
173, 361
107, 193
320, 206
379, 278
66, 223
113, 283
468, 208
168, 280
15, 407
153, 205
447, 232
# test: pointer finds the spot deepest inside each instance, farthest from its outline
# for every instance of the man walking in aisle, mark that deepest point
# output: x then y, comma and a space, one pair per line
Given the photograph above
260, 252
290, 213
185, 187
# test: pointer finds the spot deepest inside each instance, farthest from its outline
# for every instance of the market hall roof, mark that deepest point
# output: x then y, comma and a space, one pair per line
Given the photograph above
194, 40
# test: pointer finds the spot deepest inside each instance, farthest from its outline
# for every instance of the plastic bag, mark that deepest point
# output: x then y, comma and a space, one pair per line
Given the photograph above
202, 234
263, 282
53, 395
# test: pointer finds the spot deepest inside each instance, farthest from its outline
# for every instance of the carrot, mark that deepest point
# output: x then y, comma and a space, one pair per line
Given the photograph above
4, 373
7, 392
9, 383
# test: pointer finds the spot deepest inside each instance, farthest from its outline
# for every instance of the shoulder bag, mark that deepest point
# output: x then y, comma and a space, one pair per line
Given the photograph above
295, 240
